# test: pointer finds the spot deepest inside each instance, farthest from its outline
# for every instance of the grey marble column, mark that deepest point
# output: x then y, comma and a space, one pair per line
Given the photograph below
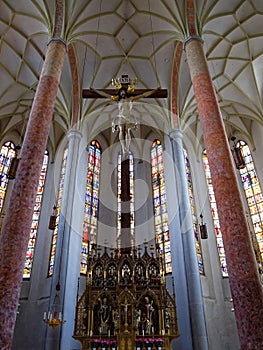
184, 341
68, 250
196, 307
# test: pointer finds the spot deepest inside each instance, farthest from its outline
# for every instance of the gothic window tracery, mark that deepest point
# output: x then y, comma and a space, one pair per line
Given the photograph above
159, 206
214, 212
97, 275
254, 197
154, 274
139, 274
194, 217
125, 273
35, 220
58, 209
91, 208
6, 154
111, 275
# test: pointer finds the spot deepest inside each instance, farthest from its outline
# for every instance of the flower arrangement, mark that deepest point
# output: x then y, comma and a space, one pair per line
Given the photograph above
103, 343
149, 342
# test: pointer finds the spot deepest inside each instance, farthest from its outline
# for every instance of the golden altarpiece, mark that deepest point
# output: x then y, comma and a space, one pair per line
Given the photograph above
126, 304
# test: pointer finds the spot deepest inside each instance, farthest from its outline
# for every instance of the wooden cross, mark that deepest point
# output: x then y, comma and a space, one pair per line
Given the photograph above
128, 86
105, 93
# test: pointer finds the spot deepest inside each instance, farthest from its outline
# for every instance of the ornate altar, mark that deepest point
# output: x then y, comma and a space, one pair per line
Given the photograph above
125, 304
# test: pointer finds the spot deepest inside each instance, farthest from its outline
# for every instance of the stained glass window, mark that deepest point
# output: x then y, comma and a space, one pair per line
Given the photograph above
159, 206
212, 200
6, 154
36, 215
58, 208
253, 195
91, 209
131, 177
195, 222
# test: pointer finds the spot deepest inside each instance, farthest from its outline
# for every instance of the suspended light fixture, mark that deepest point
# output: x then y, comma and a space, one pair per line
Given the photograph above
203, 229
237, 154
53, 219
13, 164
54, 317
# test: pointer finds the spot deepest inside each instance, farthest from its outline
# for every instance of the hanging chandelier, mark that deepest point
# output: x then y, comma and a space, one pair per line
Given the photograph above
54, 316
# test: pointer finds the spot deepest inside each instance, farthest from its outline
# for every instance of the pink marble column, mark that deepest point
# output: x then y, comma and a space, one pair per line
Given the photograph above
16, 228
245, 286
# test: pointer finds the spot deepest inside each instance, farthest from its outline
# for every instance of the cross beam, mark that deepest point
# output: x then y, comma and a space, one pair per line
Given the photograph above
90, 93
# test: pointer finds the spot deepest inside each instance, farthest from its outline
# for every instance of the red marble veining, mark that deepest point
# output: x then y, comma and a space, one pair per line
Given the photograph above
243, 273
175, 82
17, 224
191, 17
59, 18
75, 80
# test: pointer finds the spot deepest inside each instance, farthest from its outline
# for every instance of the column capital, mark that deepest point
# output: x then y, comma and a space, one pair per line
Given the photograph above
73, 133
190, 38
176, 134
57, 39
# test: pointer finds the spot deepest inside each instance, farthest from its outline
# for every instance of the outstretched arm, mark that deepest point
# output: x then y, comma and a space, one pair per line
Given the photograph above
101, 93
145, 94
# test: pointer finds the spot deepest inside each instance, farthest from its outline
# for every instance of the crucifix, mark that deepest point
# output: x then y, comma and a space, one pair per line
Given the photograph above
124, 95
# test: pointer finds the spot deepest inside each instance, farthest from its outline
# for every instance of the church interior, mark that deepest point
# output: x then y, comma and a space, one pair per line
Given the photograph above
131, 205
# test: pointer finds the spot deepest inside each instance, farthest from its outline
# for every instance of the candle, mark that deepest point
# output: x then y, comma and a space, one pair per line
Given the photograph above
109, 332
90, 333
143, 332
45, 316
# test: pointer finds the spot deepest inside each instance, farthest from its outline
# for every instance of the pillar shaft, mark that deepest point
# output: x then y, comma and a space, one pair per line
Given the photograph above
185, 340
243, 273
190, 257
71, 233
16, 228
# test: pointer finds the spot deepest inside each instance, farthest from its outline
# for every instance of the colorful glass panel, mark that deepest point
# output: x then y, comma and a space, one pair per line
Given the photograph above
35, 219
91, 209
6, 154
254, 197
159, 206
58, 208
194, 217
212, 200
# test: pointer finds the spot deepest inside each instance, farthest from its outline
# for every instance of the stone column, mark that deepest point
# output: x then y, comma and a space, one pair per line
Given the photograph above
67, 262
244, 280
17, 224
189, 249
185, 340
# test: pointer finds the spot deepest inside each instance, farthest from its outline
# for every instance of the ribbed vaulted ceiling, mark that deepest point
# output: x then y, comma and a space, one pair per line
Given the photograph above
135, 37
